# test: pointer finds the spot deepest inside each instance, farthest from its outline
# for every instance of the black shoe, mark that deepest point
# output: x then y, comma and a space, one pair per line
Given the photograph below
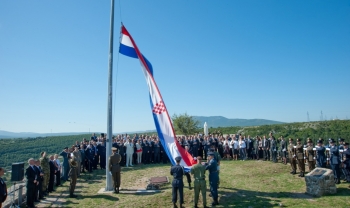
195, 206
214, 203
337, 181
174, 205
117, 190
72, 196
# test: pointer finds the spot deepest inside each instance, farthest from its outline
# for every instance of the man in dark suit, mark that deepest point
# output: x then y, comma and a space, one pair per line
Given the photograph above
52, 174
266, 148
40, 179
3, 188
31, 177
114, 169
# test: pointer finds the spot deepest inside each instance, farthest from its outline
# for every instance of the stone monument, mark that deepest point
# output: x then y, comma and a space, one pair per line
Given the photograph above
320, 181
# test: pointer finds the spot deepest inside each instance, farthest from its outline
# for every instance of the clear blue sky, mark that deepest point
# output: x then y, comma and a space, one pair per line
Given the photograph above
270, 59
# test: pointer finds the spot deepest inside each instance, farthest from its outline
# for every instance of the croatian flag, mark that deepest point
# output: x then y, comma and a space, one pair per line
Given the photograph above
161, 117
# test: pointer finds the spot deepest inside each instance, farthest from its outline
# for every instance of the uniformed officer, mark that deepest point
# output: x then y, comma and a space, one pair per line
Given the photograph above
45, 166
299, 149
291, 155
73, 174
320, 155
310, 157
114, 168
65, 165
212, 167
335, 161
178, 172
217, 158
198, 172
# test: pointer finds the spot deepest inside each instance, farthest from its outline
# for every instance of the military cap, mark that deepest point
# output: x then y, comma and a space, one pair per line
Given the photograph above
331, 140
114, 149
341, 139
65, 148
309, 141
178, 158
346, 144
290, 139
298, 140
320, 141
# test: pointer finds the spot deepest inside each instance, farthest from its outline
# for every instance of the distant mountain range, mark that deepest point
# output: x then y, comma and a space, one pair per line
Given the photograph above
220, 121
7, 134
212, 121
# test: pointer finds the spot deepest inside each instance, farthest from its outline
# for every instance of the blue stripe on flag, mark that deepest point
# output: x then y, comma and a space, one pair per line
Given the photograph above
130, 51
161, 138
127, 51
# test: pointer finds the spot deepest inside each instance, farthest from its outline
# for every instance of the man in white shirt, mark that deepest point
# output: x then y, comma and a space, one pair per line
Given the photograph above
129, 151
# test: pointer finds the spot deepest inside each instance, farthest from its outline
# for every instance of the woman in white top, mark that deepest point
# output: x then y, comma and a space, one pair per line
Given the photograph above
58, 172
242, 148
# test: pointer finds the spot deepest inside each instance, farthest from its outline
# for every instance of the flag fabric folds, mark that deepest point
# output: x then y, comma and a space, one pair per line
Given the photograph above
161, 116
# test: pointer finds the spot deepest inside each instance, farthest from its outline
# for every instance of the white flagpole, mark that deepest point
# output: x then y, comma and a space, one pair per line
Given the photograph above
109, 112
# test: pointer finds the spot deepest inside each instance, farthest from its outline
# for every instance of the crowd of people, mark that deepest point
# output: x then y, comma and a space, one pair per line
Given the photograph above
88, 155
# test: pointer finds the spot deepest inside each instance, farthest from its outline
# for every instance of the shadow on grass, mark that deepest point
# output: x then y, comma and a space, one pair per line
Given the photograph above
232, 197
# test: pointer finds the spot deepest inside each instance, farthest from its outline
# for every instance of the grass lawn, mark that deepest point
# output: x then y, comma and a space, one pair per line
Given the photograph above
249, 184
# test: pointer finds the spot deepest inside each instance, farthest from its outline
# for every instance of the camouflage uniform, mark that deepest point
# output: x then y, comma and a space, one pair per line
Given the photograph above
45, 166
73, 173
78, 158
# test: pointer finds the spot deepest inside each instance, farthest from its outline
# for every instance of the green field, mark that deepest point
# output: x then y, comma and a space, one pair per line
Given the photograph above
250, 184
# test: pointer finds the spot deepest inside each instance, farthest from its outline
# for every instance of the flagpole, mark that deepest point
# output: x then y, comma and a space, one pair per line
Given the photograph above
109, 112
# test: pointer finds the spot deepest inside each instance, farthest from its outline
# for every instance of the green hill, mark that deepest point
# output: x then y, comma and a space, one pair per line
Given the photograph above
220, 121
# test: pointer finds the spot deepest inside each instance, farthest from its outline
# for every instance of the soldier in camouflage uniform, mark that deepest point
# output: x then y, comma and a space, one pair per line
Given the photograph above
77, 156
291, 155
73, 174
45, 166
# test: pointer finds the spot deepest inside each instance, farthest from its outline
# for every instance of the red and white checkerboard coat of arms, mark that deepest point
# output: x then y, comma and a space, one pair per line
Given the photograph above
159, 108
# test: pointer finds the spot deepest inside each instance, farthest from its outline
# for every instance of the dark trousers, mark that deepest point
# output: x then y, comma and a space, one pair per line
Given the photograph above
89, 165
195, 152
30, 195
58, 178
103, 161
65, 170
164, 158
188, 177
156, 157
95, 162
51, 182
82, 165
143, 157
266, 154
36, 192
336, 170
116, 180
274, 155
205, 153
181, 194
40, 189
213, 182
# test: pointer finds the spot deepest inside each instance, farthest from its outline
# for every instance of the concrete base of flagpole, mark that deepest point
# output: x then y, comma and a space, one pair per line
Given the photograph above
127, 191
